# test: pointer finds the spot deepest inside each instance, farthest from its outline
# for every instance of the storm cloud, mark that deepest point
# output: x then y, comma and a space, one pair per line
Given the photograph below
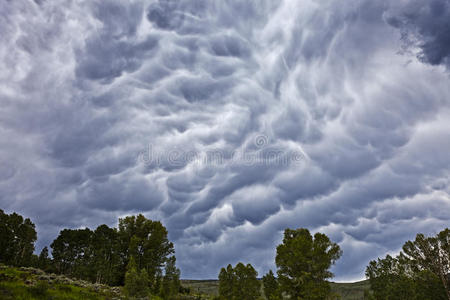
424, 25
229, 121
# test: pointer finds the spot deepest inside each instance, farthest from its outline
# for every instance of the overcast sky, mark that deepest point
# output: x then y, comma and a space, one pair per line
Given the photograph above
229, 121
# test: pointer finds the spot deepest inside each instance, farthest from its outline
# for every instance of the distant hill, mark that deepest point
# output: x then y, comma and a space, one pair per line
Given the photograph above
351, 291
347, 291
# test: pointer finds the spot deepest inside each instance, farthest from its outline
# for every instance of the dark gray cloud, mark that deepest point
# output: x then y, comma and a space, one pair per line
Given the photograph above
229, 121
115, 48
425, 25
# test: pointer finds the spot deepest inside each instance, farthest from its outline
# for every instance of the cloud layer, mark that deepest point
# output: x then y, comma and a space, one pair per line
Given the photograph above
229, 121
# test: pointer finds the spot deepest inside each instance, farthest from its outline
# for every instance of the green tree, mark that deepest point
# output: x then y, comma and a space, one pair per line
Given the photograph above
226, 282
17, 237
156, 286
420, 272
303, 264
103, 255
171, 280
271, 287
72, 253
428, 286
106, 255
246, 284
44, 262
431, 254
136, 282
389, 279
147, 241
239, 282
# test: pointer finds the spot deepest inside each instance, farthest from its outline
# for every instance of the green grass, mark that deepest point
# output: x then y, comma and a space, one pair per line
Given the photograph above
19, 291
29, 284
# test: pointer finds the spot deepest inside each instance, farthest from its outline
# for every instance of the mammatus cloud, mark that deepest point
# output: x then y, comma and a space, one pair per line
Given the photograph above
229, 121
425, 25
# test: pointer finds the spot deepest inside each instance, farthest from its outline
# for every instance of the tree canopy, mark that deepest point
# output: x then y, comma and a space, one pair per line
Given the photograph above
271, 287
137, 253
239, 282
103, 255
420, 271
17, 237
304, 263
72, 252
147, 242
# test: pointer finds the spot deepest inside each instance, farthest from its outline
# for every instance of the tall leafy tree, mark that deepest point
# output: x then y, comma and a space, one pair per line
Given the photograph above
431, 254
271, 287
420, 271
239, 282
226, 282
246, 285
106, 255
393, 278
44, 261
389, 278
147, 241
17, 237
427, 286
304, 263
5, 237
72, 253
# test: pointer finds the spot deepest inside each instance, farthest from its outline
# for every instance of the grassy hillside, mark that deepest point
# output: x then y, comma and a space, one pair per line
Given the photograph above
30, 283
347, 291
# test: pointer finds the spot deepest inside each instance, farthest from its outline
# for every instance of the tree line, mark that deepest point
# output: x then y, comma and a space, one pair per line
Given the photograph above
303, 263
138, 255
17, 237
420, 272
